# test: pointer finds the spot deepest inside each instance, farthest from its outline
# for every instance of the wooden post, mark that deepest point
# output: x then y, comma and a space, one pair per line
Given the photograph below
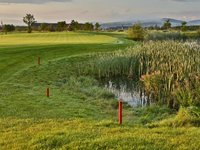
38, 60
120, 112
47, 92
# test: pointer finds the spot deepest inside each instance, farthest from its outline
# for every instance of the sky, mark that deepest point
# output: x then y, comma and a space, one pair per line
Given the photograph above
12, 11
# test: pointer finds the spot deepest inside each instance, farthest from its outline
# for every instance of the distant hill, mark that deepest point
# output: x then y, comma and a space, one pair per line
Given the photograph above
116, 25
174, 22
194, 22
147, 23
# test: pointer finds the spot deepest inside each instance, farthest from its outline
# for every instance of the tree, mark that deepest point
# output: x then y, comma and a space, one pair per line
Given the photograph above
29, 20
8, 28
97, 26
184, 27
1, 27
88, 26
136, 32
43, 26
167, 24
51, 28
61, 26
74, 25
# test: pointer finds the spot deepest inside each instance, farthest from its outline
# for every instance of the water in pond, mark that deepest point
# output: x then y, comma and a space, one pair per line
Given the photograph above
126, 90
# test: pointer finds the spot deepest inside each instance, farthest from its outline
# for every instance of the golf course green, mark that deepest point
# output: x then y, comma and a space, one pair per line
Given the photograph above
79, 114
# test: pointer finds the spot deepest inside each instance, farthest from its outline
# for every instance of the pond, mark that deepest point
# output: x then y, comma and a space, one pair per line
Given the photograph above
127, 90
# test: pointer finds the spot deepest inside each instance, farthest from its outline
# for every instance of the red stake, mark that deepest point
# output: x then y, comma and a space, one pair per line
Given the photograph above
38, 60
47, 92
120, 112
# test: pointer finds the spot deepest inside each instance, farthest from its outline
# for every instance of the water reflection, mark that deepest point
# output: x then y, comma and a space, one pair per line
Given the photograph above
127, 90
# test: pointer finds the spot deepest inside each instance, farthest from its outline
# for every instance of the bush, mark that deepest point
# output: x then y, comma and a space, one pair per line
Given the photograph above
189, 116
136, 32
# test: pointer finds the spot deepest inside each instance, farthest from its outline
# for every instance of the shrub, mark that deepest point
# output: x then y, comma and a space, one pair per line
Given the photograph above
189, 116
136, 32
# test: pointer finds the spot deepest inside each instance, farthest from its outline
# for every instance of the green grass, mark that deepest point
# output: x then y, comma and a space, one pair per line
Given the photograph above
85, 134
18, 51
55, 38
79, 113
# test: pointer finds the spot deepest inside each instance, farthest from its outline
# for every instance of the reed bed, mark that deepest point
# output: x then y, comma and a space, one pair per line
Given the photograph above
169, 71
172, 35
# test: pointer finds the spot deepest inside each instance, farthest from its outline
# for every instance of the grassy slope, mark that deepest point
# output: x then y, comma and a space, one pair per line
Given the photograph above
21, 50
78, 114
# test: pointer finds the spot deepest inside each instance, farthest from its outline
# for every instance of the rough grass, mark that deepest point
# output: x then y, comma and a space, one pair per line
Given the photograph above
186, 117
87, 134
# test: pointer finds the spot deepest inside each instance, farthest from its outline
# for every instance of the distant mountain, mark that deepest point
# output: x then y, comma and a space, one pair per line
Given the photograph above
151, 23
147, 23
194, 22
160, 22
174, 22
116, 24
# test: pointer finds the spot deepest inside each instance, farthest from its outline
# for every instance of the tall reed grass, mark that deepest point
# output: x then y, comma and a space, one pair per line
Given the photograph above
171, 35
169, 71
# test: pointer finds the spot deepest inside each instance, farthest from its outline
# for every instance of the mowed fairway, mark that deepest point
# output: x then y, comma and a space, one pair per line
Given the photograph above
17, 51
79, 114
55, 38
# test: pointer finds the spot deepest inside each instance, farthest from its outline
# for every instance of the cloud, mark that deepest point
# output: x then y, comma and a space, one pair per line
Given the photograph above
32, 1
85, 12
185, 0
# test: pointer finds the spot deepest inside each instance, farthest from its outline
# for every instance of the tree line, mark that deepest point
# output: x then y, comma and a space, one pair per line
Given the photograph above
167, 25
137, 32
30, 21
32, 24
73, 26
